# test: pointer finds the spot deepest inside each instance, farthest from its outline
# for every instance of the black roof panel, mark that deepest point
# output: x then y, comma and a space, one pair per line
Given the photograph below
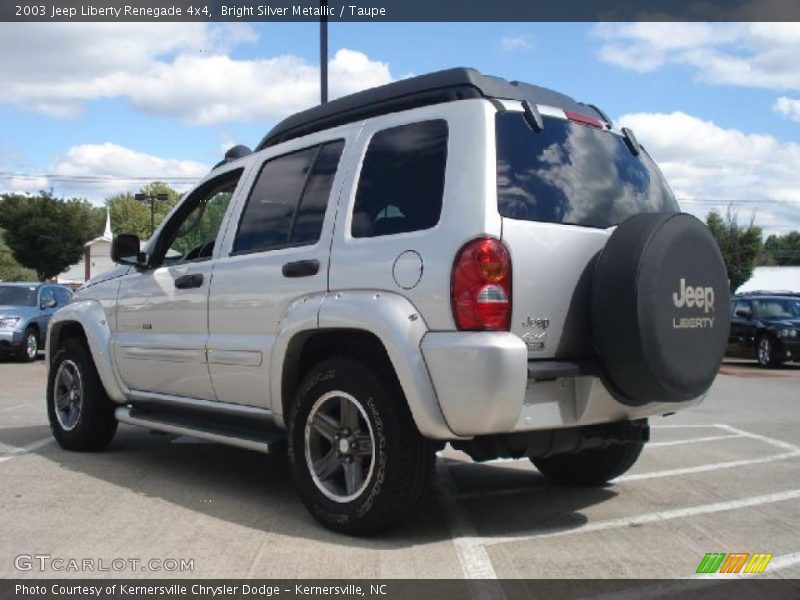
434, 88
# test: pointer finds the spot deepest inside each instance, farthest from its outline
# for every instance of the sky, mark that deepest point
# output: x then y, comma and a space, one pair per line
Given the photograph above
91, 109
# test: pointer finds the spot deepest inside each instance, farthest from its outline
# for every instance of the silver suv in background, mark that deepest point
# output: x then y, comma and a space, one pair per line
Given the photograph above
25, 311
451, 258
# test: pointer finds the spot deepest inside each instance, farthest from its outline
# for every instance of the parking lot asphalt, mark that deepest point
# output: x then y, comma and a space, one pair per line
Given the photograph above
721, 477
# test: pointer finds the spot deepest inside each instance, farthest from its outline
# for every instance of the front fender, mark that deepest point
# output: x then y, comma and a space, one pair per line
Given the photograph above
90, 316
400, 327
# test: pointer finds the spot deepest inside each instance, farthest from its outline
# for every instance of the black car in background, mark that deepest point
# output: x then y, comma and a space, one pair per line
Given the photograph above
765, 326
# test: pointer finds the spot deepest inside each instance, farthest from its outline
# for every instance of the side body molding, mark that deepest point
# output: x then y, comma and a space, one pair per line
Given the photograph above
400, 327
91, 317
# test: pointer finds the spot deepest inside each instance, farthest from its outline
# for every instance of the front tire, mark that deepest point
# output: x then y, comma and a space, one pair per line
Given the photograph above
29, 350
592, 467
357, 459
81, 414
767, 352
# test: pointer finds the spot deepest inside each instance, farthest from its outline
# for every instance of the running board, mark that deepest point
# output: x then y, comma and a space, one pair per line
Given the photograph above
255, 437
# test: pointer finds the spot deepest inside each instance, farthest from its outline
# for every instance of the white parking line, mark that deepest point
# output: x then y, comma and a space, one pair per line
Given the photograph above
710, 438
644, 519
475, 562
32, 447
768, 440
708, 467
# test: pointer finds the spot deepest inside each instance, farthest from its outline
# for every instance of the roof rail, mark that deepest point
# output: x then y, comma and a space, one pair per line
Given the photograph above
434, 88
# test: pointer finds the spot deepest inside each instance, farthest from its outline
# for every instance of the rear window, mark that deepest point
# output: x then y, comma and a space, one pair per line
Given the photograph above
574, 174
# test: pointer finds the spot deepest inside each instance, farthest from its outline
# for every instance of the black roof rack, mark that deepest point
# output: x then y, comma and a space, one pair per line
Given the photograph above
434, 88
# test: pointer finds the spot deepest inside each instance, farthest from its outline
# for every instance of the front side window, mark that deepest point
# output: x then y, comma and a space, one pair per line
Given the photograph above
46, 296
741, 310
192, 232
573, 174
402, 180
63, 295
288, 201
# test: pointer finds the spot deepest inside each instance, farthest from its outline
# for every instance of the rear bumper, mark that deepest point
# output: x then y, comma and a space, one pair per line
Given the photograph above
485, 384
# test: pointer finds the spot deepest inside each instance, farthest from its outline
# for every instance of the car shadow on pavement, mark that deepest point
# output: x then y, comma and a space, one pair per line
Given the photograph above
255, 490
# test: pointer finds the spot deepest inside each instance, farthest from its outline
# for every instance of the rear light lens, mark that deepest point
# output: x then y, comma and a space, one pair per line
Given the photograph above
481, 286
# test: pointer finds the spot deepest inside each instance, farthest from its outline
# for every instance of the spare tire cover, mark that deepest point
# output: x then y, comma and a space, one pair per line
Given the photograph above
660, 314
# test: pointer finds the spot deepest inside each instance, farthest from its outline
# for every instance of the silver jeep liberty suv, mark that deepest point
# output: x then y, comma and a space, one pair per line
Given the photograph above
451, 258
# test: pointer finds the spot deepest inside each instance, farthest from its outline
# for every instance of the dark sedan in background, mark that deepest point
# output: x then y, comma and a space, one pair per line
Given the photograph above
25, 311
765, 326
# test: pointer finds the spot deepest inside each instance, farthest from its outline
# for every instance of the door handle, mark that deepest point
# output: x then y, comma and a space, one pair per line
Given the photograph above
184, 282
301, 268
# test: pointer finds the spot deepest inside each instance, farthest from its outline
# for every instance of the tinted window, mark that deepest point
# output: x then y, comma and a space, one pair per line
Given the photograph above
17, 295
571, 173
288, 201
62, 295
402, 180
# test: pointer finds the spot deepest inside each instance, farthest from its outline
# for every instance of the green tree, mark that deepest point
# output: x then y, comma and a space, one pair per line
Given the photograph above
740, 245
129, 215
10, 269
784, 250
45, 233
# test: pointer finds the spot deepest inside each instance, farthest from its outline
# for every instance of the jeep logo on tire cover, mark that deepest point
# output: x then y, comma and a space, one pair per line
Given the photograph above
693, 297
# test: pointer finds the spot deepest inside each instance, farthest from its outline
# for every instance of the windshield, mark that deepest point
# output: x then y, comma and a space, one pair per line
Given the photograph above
17, 295
777, 308
574, 174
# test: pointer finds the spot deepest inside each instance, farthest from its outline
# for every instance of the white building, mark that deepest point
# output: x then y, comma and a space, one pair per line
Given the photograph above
96, 258
772, 279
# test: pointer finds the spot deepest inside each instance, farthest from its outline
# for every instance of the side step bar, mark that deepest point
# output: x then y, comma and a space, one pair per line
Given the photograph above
257, 438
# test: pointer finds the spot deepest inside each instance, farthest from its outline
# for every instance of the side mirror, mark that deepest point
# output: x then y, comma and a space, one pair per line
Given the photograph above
743, 314
125, 250
48, 303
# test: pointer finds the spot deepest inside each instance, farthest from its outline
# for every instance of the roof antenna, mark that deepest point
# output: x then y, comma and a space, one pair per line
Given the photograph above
323, 51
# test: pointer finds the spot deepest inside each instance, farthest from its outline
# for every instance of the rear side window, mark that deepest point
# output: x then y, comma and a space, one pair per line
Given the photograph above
287, 204
402, 180
574, 174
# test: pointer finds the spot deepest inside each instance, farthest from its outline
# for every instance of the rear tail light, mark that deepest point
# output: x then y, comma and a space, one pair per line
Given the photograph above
584, 119
481, 286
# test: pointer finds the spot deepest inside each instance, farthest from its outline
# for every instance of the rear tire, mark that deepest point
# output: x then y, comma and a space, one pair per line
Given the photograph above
592, 467
80, 412
29, 351
767, 352
357, 458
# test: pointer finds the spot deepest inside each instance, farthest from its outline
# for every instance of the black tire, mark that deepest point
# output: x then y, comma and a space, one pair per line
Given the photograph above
31, 336
768, 352
592, 467
402, 462
95, 424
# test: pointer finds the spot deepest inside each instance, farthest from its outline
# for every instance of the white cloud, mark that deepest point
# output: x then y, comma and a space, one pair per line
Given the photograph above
96, 171
713, 166
788, 107
762, 55
182, 70
514, 43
